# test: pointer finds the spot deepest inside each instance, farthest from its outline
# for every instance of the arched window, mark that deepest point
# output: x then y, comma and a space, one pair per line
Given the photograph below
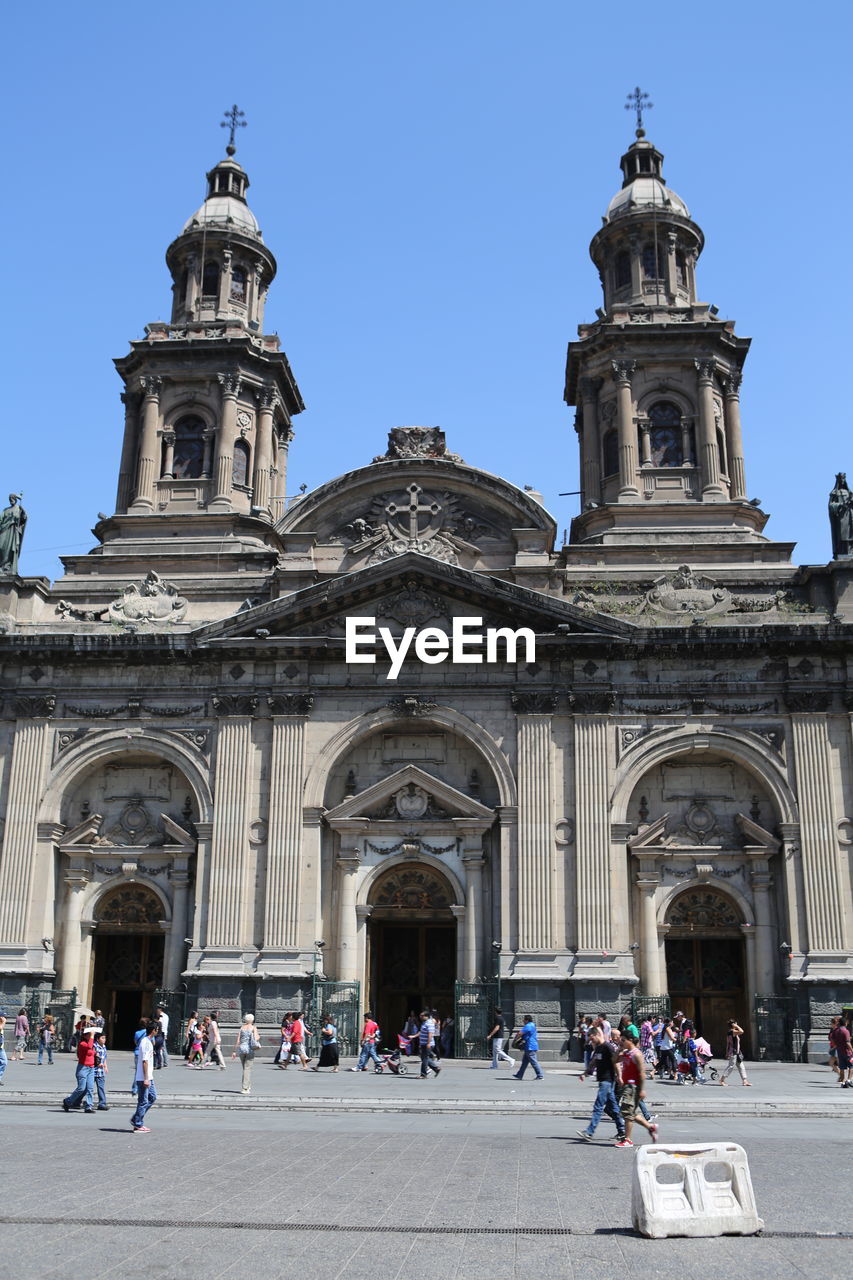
189, 448
649, 258
238, 284
610, 452
622, 269
666, 440
240, 469
210, 280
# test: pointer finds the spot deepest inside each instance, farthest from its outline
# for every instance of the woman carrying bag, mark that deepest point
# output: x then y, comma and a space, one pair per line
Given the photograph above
246, 1046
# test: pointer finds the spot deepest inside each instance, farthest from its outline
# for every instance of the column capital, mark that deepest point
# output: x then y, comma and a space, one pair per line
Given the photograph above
706, 368
285, 434
39, 707
235, 704
290, 704
348, 860
534, 702
623, 371
230, 384
507, 814
267, 397
168, 437
590, 387
458, 912
77, 877
731, 384
363, 911
150, 386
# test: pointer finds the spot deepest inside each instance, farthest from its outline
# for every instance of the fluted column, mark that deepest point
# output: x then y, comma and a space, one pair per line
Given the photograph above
473, 863
26, 782
536, 845
507, 835
709, 453
180, 881
263, 452
623, 371
128, 451
168, 438
765, 934
76, 879
279, 476
592, 838
348, 864
284, 837
734, 436
147, 469
231, 893
590, 443
818, 834
225, 437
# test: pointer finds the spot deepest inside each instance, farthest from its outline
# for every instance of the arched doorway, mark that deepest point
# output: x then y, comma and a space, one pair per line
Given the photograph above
129, 947
706, 962
411, 945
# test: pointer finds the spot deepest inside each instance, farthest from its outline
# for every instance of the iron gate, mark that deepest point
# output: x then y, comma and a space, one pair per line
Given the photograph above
339, 1000
175, 1005
474, 1004
59, 1003
639, 1006
783, 1026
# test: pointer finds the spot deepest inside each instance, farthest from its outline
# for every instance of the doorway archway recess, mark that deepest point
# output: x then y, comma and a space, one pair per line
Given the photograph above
706, 961
129, 947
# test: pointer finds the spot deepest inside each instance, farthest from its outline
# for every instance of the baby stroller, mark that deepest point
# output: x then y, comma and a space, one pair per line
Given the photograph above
393, 1060
704, 1054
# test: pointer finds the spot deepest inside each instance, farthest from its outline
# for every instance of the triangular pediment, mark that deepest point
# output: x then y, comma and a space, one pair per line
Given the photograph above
410, 590
651, 836
414, 783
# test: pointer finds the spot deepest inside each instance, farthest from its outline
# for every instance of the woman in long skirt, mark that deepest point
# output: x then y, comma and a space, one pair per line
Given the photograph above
329, 1046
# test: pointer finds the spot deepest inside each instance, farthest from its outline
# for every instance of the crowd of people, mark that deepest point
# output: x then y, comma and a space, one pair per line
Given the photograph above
671, 1048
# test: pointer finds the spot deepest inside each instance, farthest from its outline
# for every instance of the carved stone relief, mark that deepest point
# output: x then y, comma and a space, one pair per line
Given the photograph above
151, 600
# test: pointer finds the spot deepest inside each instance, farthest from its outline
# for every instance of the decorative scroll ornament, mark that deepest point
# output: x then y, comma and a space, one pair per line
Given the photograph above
412, 704
412, 519
417, 442
33, 708
290, 704
151, 600
412, 845
412, 802
687, 592
235, 704
412, 606
808, 699
534, 702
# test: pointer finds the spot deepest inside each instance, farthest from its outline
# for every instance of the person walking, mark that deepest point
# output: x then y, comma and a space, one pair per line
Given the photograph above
497, 1035
666, 1052
246, 1046
604, 1062
46, 1033
734, 1054
163, 1018
101, 1068
328, 1045
85, 1074
22, 1031
844, 1053
368, 1043
214, 1042
298, 1034
282, 1058
426, 1042
146, 1094
632, 1071
530, 1039
410, 1031
4, 1062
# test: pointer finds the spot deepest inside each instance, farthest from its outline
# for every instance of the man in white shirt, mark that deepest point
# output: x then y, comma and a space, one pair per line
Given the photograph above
163, 1018
146, 1094
214, 1042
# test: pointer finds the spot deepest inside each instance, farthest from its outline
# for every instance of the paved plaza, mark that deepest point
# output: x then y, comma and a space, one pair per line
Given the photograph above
381, 1185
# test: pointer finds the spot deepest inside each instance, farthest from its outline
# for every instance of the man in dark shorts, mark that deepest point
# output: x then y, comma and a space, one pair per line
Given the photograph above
604, 1062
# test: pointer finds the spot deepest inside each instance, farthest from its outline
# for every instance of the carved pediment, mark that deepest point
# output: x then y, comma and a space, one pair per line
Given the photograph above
409, 794
753, 834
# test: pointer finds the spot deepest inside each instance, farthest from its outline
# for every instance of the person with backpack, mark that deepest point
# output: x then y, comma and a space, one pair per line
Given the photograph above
529, 1038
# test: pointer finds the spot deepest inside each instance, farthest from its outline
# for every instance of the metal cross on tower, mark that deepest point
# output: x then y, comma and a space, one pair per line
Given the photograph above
639, 102
233, 121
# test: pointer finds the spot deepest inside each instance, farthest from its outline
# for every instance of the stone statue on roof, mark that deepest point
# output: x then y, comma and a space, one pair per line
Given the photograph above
12, 523
841, 518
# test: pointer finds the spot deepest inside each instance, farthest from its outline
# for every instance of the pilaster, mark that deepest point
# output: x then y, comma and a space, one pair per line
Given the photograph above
623, 372
734, 436
231, 892
592, 834
818, 835
536, 869
709, 454
284, 838
20, 842
147, 468
230, 385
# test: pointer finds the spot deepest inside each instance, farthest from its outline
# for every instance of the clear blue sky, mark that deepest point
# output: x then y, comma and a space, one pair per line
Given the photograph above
429, 177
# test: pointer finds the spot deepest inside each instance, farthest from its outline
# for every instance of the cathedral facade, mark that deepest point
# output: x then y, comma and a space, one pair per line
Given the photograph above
391, 738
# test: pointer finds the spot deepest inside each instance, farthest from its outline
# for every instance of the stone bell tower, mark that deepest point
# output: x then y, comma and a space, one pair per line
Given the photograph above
209, 400
656, 381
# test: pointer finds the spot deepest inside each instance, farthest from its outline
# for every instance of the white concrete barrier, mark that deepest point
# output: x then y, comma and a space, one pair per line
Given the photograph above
699, 1189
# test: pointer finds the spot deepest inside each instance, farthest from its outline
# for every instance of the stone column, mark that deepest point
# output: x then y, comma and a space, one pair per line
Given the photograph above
193, 286
734, 437
592, 833
536, 845
208, 436
671, 273
765, 934
227, 434
231, 893
128, 451
76, 879
168, 438
818, 834
263, 452
362, 914
26, 783
636, 251
459, 915
279, 477
508, 830
284, 836
348, 864
645, 443
180, 880
648, 880
623, 371
225, 281
709, 454
147, 467
590, 443
473, 863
